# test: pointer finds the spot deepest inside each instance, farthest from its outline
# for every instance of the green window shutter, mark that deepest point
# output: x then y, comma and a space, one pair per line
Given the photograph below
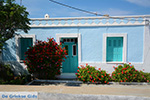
25, 43
109, 50
120, 48
114, 48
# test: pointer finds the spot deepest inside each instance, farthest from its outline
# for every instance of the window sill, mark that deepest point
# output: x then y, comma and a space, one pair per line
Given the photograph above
114, 62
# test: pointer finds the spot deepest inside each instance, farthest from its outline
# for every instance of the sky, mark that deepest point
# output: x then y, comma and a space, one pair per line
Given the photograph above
38, 8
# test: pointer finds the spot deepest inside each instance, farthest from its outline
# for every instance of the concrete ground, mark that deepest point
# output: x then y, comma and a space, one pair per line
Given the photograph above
85, 90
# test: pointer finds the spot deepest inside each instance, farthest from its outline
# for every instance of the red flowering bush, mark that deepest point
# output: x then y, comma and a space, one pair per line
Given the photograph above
44, 59
127, 73
90, 74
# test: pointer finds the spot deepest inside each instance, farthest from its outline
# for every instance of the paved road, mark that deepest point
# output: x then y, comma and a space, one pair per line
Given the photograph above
98, 91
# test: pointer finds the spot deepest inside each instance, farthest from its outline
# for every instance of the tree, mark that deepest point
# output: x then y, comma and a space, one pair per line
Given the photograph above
13, 17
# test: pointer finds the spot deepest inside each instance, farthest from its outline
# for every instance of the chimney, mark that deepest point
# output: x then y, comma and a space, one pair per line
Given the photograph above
46, 16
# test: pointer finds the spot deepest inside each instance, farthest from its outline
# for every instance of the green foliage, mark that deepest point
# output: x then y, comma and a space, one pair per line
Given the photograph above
5, 72
146, 76
7, 76
23, 79
127, 73
90, 74
13, 17
48, 57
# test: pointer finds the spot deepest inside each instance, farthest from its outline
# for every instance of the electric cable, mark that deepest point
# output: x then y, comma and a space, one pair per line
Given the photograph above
94, 13
76, 8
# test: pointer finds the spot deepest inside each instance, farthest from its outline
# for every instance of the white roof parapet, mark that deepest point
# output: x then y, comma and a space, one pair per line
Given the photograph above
89, 21
135, 16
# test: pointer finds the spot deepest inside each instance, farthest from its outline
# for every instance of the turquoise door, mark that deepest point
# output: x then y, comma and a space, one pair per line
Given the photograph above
114, 49
25, 44
71, 63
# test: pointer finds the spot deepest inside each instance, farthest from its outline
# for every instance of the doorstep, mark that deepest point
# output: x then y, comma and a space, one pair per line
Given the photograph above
66, 76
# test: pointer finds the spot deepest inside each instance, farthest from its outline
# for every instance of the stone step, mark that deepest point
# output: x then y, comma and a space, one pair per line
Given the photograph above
47, 82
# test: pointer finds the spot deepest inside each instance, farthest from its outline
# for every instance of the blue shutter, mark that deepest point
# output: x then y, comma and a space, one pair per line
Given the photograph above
114, 48
25, 44
120, 48
109, 50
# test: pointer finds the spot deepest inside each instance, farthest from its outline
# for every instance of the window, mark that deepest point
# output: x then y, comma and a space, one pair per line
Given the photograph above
115, 51
74, 50
69, 40
114, 48
23, 42
66, 47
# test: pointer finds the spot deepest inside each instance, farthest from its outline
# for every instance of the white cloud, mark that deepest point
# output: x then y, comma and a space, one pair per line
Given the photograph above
145, 3
116, 12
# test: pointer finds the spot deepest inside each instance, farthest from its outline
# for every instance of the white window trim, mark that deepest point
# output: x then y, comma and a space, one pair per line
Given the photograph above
74, 35
17, 38
124, 35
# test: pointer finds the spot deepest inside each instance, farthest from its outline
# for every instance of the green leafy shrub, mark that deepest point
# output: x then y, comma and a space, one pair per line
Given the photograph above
127, 73
6, 73
21, 79
44, 59
7, 76
146, 76
90, 74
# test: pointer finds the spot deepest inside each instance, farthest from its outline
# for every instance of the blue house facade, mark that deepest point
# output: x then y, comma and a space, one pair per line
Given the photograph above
99, 41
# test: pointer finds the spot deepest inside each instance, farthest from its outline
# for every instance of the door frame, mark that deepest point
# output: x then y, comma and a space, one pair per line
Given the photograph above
73, 35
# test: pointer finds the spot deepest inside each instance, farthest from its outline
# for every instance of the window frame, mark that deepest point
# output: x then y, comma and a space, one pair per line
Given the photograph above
124, 56
18, 49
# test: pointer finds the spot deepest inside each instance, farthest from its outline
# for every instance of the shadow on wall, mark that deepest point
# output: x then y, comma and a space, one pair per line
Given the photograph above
9, 57
18, 68
8, 53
